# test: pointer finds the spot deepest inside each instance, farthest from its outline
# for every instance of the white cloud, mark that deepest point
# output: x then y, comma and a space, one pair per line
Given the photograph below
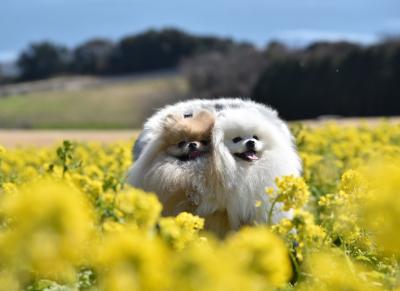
301, 37
8, 56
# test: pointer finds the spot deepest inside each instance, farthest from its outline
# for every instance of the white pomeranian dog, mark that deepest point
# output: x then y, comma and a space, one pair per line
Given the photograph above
249, 147
248, 153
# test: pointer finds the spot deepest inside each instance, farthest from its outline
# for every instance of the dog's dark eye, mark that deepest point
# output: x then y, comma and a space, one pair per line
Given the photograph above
255, 137
204, 142
237, 139
181, 144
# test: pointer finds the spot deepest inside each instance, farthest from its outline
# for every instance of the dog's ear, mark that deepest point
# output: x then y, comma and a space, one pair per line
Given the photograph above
206, 120
170, 121
205, 116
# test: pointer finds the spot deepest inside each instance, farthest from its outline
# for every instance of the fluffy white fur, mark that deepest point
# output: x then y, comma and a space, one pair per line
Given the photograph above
161, 169
220, 186
238, 183
154, 125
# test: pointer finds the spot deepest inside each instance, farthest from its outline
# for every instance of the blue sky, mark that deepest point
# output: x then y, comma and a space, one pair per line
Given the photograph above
296, 22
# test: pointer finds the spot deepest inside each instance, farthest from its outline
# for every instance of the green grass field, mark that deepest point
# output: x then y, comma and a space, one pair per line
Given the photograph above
112, 105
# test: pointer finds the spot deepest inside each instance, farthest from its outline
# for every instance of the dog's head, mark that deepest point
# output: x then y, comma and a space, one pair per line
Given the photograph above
246, 134
188, 137
245, 145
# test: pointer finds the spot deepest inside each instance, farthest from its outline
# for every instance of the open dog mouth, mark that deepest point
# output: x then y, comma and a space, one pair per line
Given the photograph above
248, 156
192, 155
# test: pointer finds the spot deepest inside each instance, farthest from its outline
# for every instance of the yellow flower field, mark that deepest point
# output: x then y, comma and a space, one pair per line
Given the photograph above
68, 222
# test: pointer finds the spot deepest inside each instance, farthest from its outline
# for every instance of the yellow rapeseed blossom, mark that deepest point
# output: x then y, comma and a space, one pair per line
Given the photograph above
9, 281
292, 192
301, 233
68, 221
331, 271
262, 255
132, 261
380, 212
211, 266
181, 230
2, 150
49, 229
340, 211
8, 188
138, 207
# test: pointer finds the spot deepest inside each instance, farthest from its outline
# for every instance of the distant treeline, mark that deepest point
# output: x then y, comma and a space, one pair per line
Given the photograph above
322, 79
147, 51
338, 78
334, 79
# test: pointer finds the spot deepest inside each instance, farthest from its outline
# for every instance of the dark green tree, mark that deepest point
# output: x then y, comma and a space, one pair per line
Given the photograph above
93, 57
42, 60
163, 49
333, 79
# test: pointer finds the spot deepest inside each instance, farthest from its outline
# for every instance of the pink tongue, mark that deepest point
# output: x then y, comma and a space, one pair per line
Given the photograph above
250, 155
194, 154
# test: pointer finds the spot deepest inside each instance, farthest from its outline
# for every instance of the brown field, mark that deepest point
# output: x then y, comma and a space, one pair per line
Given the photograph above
15, 138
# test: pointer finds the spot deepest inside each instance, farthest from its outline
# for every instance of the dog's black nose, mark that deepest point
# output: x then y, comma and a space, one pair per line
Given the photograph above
250, 144
192, 146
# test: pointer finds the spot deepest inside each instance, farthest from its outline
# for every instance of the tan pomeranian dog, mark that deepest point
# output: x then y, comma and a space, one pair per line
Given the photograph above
173, 164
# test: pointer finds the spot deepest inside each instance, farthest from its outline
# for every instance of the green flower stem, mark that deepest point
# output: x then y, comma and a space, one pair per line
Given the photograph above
269, 221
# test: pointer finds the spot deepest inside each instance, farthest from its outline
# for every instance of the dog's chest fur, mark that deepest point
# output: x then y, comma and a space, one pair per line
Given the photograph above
241, 189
